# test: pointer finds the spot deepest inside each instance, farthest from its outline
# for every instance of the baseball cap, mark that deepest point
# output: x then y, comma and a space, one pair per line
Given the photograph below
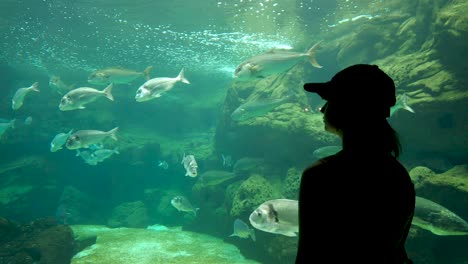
359, 84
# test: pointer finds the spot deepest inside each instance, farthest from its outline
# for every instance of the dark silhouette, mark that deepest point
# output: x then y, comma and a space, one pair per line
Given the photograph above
356, 206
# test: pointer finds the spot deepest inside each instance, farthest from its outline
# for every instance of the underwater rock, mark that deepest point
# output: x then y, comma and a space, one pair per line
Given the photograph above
157, 244
251, 193
40, 241
419, 173
449, 188
74, 206
131, 214
292, 183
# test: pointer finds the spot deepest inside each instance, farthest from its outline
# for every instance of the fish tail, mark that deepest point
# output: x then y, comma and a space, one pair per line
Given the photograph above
404, 103
195, 211
12, 122
147, 71
108, 92
71, 86
311, 54
112, 133
35, 86
181, 77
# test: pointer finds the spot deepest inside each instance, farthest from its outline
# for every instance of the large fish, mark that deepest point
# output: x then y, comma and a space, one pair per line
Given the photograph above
59, 86
79, 97
59, 140
182, 204
86, 138
18, 98
155, 87
190, 165
402, 103
242, 230
117, 75
326, 151
257, 108
215, 177
5, 125
439, 220
279, 216
273, 62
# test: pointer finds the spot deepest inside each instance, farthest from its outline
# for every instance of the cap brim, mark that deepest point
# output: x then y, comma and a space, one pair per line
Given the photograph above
318, 88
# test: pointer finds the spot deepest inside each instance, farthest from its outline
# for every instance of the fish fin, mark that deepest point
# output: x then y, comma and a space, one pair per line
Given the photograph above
311, 54
12, 123
116, 151
147, 71
252, 234
81, 107
112, 133
157, 95
289, 233
181, 77
108, 92
77, 153
35, 86
255, 68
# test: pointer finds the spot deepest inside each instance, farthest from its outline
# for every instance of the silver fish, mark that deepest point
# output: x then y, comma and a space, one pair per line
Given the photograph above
18, 98
59, 140
4, 126
102, 154
79, 97
155, 87
257, 108
437, 219
58, 85
402, 103
28, 121
183, 205
227, 160
273, 62
85, 138
279, 216
117, 75
190, 165
326, 151
87, 157
215, 177
163, 164
242, 230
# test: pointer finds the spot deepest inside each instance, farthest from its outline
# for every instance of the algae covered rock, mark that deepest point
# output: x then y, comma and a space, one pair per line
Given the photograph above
449, 188
250, 194
133, 214
292, 183
157, 244
420, 173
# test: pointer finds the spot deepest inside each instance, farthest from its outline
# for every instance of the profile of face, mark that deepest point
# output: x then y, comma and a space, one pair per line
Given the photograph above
330, 115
